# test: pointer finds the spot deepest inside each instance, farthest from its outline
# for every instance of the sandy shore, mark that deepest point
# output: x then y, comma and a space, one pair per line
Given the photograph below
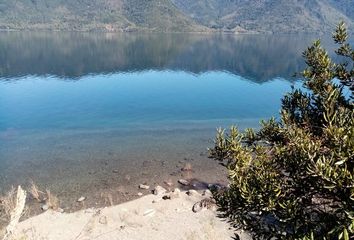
149, 217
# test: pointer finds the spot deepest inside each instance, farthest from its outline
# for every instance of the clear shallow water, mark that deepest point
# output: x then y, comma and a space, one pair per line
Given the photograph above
84, 113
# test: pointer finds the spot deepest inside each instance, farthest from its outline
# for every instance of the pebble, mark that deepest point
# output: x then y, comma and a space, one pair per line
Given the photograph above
142, 186
159, 190
197, 207
81, 199
45, 207
149, 212
60, 210
140, 194
214, 186
172, 195
192, 193
103, 220
183, 182
168, 183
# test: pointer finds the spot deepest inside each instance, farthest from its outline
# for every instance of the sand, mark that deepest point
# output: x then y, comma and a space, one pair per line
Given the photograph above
149, 217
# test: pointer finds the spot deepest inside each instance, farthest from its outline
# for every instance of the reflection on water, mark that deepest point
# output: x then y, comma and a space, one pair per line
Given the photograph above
73, 55
76, 106
148, 100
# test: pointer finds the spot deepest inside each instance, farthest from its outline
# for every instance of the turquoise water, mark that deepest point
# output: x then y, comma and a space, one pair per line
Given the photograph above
150, 99
74, 107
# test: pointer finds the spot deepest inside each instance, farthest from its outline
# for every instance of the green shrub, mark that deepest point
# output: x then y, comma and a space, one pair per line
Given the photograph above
294, 178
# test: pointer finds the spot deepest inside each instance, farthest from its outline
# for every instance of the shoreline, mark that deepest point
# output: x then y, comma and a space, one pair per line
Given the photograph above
105, 166
150, 216
152, 31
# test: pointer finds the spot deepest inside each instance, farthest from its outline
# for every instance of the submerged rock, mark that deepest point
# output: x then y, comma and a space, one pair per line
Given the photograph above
81, 199
214, 186
168, 183
142, 186
183, 182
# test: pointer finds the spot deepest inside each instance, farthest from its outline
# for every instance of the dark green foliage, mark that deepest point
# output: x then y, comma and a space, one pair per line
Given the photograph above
294, 179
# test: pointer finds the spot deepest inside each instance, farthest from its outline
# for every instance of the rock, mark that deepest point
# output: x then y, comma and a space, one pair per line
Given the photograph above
192, 193
45, 207
149, 212
159, 190
140, 194
81, 199
197, 207
168, 183
172, 195
60, 210
206, 203
103, 220
214, 186
166, 197
183, 182
142, 186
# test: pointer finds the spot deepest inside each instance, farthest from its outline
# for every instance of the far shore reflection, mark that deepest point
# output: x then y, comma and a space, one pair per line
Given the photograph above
258, 58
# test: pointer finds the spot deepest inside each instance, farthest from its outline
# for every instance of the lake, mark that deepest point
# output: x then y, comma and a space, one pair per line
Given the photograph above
96, 113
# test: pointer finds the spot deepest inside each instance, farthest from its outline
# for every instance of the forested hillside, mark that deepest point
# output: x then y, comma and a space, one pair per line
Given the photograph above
176, 15
269, 15
86, 15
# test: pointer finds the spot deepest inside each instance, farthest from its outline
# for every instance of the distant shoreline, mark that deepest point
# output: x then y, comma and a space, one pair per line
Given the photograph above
138, 30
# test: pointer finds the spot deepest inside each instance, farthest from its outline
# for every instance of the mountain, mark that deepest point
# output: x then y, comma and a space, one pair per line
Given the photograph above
269, 15
104, 15
176, 15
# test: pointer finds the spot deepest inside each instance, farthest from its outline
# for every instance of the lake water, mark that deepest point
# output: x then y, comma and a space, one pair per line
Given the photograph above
86, 114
